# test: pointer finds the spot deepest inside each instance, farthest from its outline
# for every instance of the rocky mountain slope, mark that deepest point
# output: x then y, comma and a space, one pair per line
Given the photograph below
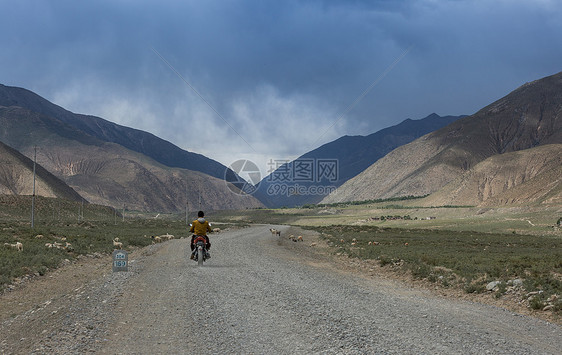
530, 176
16, 177
136, 140
110, 174
528, 117
353, 154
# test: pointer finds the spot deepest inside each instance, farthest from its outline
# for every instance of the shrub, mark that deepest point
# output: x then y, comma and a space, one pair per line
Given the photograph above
537, 302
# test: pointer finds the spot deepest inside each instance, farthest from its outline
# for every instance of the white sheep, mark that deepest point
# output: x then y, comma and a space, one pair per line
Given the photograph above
117, 244
216, 230
167, 237
18, 246
275, 232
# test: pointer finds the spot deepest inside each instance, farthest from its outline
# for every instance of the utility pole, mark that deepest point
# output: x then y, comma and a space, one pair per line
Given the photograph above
33, 196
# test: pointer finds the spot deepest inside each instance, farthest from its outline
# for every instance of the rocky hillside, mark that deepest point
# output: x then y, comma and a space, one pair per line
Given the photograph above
528, 117
110, 174
16, 177
530, 176
136, 140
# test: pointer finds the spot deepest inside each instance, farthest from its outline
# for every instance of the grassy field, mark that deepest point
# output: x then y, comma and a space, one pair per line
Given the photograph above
88, 228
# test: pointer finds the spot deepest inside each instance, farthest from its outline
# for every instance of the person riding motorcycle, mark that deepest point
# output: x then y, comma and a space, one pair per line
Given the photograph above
200, 227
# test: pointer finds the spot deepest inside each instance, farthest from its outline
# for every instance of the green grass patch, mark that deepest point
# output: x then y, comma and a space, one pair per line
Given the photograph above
468, 258
88, 228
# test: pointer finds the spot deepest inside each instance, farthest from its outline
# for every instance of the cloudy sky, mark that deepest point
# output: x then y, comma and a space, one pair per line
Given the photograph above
264, 80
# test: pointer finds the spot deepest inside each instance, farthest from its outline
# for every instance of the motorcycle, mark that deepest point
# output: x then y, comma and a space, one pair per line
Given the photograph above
200, 252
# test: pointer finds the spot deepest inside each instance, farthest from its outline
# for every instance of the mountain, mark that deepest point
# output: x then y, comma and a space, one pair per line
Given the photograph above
16, 177
530, 176
136, 140
350, 155
528, 117
109, 173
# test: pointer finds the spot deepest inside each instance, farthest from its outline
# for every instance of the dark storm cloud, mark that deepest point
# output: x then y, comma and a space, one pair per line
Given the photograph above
280, 72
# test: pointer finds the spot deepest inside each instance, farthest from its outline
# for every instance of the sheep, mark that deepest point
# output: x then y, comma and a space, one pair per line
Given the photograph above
166, 237
292, 237
275, 232
57, 245
299, 238
18, 246
156, 239
68, 247
116, 244
312, 244
216, 230
49, 245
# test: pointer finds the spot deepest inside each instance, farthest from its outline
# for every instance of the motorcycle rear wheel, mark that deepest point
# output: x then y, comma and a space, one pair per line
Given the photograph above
200, 256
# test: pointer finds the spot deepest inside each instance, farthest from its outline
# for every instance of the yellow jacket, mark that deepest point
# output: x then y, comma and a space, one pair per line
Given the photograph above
200, 227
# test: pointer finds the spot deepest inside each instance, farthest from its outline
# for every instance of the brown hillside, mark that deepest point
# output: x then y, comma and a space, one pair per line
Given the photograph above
531, 176
16, 177
528, 117
109, 174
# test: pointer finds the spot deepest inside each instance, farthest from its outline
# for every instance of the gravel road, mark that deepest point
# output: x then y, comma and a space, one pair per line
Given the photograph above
255, 296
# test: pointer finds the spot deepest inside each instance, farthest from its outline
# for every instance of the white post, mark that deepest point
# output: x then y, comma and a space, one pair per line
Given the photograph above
33, 196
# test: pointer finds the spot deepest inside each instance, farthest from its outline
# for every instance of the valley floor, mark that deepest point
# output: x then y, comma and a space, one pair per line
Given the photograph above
261, 294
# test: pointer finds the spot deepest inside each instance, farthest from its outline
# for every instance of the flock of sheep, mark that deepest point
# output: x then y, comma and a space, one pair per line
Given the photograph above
291, 237
161, 238
116, 243
57, 245
354, 242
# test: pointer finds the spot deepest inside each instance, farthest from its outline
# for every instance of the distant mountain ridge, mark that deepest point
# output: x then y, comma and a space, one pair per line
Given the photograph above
134, 139
528, 117
108, 173
353, 155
